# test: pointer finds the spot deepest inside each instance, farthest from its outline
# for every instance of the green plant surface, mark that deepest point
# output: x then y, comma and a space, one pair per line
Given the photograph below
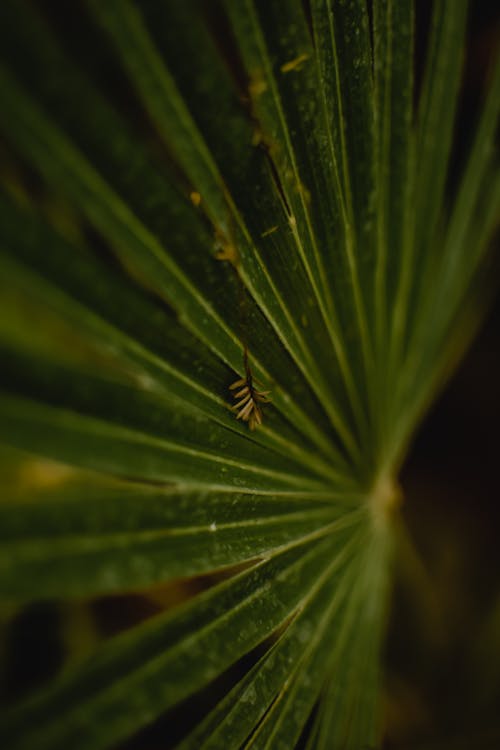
193, 194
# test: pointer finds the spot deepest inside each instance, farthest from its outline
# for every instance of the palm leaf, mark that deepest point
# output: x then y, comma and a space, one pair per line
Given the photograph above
198, 194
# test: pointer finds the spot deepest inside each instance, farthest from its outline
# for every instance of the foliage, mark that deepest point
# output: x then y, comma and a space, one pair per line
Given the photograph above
196, 193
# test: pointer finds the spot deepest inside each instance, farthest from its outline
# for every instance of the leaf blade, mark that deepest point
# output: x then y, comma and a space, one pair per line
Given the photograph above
94, 692
54, 546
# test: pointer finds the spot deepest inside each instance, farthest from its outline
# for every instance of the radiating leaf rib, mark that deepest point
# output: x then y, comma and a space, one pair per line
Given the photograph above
135, 243
109, 306
126, 322
293, 123
91, 443
113, 427
456, 272
284, 722
435, 121
442, 331
59, 160
344, 265
157, 88
353, 694
135, 677
419, 278
106, 542
267, 286
437, 107
294, 51
353, 680
248, 22
345, 59
393, 31
353, 667
423, 377
358, 629
234, 719
343, 51
143, 249
237, 713
420, 384
393, 63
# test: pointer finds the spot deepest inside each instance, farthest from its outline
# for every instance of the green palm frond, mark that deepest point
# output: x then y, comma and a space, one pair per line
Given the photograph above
198, 193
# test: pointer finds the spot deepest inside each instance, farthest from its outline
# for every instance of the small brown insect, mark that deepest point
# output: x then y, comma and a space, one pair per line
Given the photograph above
248, 407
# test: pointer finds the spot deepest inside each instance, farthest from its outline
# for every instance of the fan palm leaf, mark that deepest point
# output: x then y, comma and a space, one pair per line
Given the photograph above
199, 196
